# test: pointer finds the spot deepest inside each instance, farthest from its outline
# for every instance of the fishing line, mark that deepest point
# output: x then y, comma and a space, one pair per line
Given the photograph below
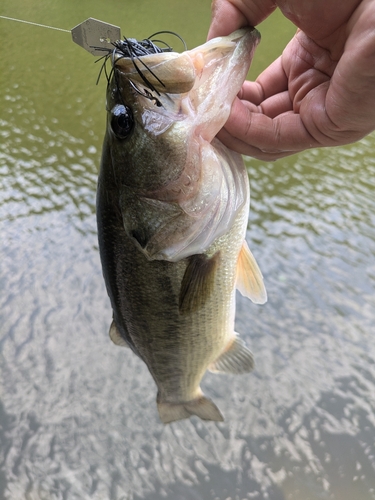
34, 24
96, 36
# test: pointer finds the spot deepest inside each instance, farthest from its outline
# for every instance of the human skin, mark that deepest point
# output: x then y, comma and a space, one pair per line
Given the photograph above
319, 92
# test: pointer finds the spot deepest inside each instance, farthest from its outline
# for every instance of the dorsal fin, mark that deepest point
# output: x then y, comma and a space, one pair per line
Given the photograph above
116, 336
249, 277
236, 358
198, 282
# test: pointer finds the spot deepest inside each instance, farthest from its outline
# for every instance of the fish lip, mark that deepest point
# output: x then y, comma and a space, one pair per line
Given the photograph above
248, 35
168, 72
248, 30
226, 62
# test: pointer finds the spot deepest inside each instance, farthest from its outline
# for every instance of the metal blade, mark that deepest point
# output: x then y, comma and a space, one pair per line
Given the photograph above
96, 36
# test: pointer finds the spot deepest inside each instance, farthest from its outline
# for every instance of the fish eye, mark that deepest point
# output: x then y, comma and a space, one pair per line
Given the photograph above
122, 121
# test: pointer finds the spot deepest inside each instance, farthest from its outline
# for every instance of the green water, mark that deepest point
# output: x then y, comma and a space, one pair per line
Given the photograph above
78, 417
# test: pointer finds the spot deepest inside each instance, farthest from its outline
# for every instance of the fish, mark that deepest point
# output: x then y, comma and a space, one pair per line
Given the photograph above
172, 213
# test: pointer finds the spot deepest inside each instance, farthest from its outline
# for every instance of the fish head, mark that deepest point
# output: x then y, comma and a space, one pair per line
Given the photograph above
162, 106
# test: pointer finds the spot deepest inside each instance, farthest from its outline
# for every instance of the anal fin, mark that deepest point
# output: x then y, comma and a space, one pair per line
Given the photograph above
116, 336
202, 407
236, 359
249, 277
198, 282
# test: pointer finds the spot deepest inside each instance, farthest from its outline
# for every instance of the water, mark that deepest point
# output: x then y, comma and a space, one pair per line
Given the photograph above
78, 417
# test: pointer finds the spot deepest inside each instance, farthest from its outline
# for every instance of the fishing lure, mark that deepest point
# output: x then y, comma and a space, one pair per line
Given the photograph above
134, 49
92, 31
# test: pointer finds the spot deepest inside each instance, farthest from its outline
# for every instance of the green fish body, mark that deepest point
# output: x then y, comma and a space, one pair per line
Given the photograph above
172, 212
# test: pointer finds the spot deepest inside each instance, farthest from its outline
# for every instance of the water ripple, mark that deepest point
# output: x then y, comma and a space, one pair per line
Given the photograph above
78, 417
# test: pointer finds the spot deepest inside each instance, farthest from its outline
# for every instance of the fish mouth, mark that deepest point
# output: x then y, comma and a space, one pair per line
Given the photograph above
200, 83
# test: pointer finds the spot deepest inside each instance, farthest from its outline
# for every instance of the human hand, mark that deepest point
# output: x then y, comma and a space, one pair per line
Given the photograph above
320, 92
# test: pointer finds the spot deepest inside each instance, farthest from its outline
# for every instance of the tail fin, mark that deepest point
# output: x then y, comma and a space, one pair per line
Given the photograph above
203, 407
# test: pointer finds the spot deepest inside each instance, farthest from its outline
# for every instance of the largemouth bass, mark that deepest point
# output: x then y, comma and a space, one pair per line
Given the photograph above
172, 211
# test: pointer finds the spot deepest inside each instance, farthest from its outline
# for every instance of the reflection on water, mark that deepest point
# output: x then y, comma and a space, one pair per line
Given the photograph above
77, 415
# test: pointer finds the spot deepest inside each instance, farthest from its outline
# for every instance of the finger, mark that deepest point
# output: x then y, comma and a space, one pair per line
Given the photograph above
252, 92
252, 151
226, 18
271, 81
229, 15
284, 133
273, 106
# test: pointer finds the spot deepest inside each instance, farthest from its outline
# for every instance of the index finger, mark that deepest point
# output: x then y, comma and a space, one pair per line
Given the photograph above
273, 80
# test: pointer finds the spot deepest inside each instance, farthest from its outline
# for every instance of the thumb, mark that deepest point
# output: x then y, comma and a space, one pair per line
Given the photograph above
225, 18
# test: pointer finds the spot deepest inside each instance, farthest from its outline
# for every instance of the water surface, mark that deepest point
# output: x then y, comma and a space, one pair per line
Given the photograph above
78, 418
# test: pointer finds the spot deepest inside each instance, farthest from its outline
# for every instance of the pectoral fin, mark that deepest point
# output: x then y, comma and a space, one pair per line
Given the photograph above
236, 359
249, 277
202, 407
116, 336
198, 282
